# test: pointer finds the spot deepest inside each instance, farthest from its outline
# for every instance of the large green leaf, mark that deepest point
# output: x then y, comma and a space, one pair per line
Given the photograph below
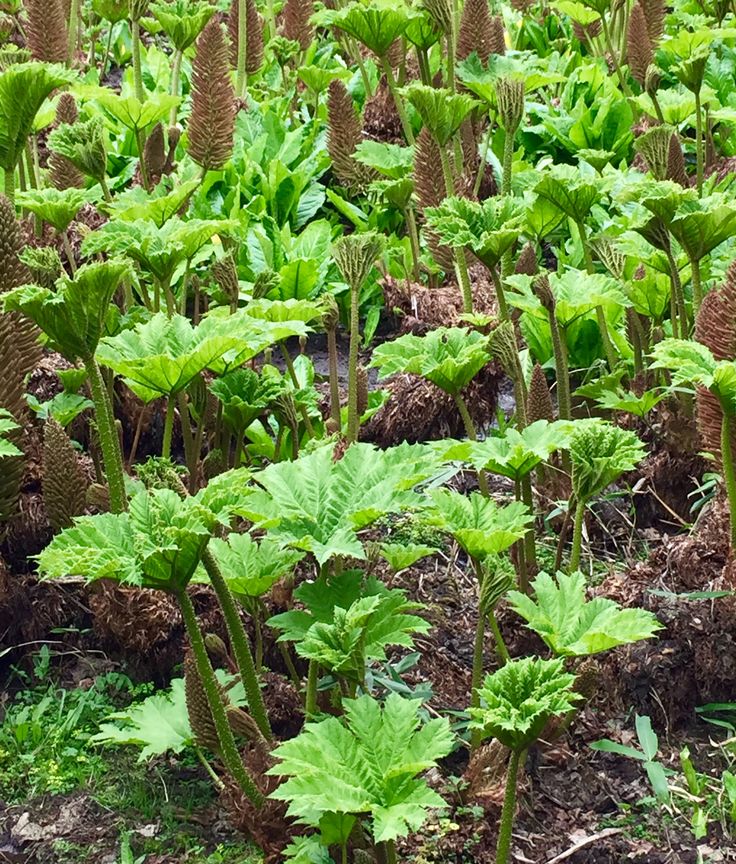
488, 228
700, 227
252, 567
55, 206
133, 114
520, 698
159, 250
73, 315
600, 453
365, 765
442, 111
571, 625
569, 191
348, 622
23, 89
160, 723
448, 357
318, 504
7, 424
158, 543
163, 355
377, 24
479, 525
182, 20
245, 396
514, 453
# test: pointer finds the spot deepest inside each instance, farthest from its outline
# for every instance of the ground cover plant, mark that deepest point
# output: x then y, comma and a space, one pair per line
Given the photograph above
367, 410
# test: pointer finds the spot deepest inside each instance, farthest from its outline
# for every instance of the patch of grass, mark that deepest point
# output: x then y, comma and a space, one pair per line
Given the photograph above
44, 737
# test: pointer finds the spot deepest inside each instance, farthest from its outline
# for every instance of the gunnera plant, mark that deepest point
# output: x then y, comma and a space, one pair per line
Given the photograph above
475, 31
212, 122
296, 22
252, 58
62, 171
46, 33
64, 484
344, 134
638, 45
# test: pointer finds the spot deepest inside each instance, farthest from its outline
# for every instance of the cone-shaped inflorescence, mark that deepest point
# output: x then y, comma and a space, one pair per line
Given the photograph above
638, 45
586, 33
62, 172
344, 133
715, 327
64, 484
676, 162
430, 191
212, 122
154, 153
46, 32
475, 30
539, 401
510, 98
20, 352
654, 12
497, 36
526, 264
254, 40
296, 23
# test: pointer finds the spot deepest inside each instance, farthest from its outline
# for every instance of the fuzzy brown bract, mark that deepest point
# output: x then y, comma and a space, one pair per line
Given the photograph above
212, 122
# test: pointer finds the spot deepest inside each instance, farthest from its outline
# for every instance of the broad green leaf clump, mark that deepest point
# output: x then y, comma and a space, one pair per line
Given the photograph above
366, 765
574, 627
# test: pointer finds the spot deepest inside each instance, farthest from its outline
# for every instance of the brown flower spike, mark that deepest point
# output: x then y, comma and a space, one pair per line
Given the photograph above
46, 32
212, 123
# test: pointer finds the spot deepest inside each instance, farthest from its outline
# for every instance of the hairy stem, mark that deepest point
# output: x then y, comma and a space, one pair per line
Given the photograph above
241, 81
310, 699
530, 551
507, 814
229, 749
472, 434
477, 675
73, 31
577, 537
240, 644
334, 381
175, 84
353, 419
398, 101
699, 160
168, 428
697, 287
461, 264
135, 29
729, 475
108, 434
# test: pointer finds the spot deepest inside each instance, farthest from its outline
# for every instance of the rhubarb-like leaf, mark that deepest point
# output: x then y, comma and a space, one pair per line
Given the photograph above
366, 764
571, 625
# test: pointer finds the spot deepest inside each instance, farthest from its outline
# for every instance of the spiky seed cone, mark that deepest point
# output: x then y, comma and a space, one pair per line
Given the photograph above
430, 191
362, 379
715, 327
64, 484
654, 146
504, 347
344, 133
12, 398
198, 708
586, 33
14, 273
587, 679
497, 36
475, 27
510, 98
154, 152
296, 23
46, 30
212, 122
654, 12
526, 264
226, 276
676, 162
213, 464
539, 401
254, 47
638, 45
543, 290
330, 313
